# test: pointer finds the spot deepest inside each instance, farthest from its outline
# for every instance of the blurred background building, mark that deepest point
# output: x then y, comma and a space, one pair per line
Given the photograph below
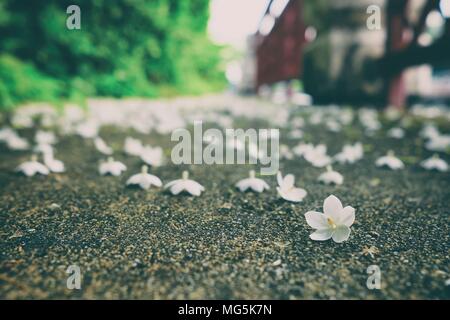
329, 49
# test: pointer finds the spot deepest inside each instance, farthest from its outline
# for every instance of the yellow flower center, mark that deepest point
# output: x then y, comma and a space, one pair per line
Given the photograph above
331, 223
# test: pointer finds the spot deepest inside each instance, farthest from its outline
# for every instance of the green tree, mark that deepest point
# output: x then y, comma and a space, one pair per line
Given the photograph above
124, 47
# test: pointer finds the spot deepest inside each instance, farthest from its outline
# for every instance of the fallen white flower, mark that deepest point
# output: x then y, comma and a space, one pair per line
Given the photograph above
317, 156
334, 222
112, 167
350, 153
295, 134
144, 179
133, 146
52, 164
392, 114
30, 168
88, 129
102, 147
297, 122
22, 121
252, 183
435, 163
390, 161
17, 143
6, 133
287, 190
396, 133
45, 137
331, 177
152, 156
316, 118
429, 131
285, 152
333, 126
43, 148
439, 143
185, 184
302, 148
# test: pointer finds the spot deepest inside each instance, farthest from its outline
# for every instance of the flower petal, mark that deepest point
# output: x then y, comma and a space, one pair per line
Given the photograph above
341, 234
177, 187
321, 235
135, 179
145, 184
316, 220
347, 216
193, 189
288, 181
332, 207
279, 178
257, 186
242, 185
171, 183
265, 185
293, 195
155, 181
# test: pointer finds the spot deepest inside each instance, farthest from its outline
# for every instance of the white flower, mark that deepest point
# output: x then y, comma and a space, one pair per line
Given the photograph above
17, 143
439, 143
316, 118
102, 147
13, 140
285, 152
295, 134
369, 119
152, 156
43, 148
144, 179
334, 222
44, 137
133, 146
297, 122
88, 129
6, 133
350, 153
435, 163
317, 156
392, 114
30, 168
112, 167
391, 161
51, 163
185, 184
396, 133
287, 190
429, 131
333, 126
302, 148
331, 177
252, 183
22, 121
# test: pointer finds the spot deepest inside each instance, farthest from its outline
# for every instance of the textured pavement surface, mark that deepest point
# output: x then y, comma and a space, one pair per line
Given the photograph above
136, 244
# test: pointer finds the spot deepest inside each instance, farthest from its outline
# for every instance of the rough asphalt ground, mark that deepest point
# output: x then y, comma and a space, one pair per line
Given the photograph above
136, 244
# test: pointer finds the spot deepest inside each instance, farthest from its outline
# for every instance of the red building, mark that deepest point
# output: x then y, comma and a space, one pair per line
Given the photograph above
280, 42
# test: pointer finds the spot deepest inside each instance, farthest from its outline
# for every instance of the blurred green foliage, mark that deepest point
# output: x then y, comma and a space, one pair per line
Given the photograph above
124, 48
